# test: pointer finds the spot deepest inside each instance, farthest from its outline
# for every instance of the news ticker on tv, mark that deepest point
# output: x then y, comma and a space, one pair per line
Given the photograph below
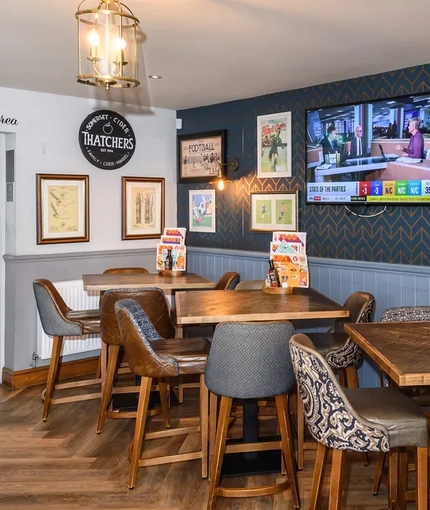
370, 191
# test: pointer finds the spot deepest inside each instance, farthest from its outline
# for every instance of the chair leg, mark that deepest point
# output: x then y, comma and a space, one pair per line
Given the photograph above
336, 480
393, 469
221, 436
422, 481
213, 412
204, 424
300, 432
287, 445
342, 377
107, 385
164, 401
351, 376
318, 477
139, 431
57, 344
378, 472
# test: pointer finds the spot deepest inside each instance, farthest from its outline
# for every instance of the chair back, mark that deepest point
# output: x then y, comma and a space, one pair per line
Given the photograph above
137, 333
250, 360
151, 299
329, 415
361, 306
126, 270
52, 310
228, 281
250, 285
406, 314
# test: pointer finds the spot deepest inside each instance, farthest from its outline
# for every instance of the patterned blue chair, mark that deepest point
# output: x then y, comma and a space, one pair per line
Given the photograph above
362, 420
250, 361
59, 321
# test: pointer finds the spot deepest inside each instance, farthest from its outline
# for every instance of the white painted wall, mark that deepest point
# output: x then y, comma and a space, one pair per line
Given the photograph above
47, 142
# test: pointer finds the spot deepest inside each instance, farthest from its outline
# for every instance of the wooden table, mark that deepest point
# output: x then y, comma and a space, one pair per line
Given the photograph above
401, 349
132, 281
211, 307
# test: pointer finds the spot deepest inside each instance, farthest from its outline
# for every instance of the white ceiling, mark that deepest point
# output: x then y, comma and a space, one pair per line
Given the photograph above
212, 51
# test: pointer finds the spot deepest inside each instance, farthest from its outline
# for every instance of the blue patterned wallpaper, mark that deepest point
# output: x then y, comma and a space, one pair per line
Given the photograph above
400, 236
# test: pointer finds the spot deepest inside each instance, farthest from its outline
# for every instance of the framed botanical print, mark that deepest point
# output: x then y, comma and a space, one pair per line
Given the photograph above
274, 145
199, 155
62, 208
142, 207
272, 211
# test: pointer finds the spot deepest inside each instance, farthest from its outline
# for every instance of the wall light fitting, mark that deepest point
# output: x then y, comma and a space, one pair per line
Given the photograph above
107, 45
220, 181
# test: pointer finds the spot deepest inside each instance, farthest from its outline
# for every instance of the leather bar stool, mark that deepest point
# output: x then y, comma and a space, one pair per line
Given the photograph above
361, 420
156, 306
161, 358
341, 353
59, 321
250, 361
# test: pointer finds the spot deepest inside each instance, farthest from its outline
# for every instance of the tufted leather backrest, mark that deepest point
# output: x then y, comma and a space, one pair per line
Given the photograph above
123, 270
137, 333
361, 306
52, 310
228, 281
329, 415
151, 299
250, 359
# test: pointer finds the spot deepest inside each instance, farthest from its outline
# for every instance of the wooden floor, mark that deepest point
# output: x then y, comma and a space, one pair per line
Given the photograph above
63, 464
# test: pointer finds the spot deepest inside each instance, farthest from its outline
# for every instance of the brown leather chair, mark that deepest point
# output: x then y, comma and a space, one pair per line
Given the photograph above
156, 306
228, 281
59, 321
150, 357
123, 270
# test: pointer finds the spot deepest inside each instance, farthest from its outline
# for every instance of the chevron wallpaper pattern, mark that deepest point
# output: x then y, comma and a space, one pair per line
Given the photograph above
399, 236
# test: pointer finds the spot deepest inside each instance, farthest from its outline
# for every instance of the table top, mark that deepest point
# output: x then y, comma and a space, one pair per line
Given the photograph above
401, 349
211, 307
133, 281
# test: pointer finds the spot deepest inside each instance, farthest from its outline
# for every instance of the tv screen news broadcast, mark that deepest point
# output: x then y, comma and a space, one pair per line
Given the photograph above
375, 152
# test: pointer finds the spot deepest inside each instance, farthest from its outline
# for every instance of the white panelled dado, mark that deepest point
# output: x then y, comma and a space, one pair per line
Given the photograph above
75, 298
391, 284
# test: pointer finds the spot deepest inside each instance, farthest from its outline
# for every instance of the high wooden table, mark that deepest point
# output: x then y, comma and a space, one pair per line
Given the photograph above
401, 349
132, 281
211, 307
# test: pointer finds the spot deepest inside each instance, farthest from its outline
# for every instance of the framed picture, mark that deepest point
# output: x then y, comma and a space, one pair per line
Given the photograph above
274, 145
274, 211
62, 203
142, 207
199, 155
202, 210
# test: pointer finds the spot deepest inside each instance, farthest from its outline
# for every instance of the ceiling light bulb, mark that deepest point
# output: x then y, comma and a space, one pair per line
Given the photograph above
119, 43
221, 184
93, 38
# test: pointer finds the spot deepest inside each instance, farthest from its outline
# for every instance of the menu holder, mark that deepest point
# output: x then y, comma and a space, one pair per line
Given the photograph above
277, 290
169, 272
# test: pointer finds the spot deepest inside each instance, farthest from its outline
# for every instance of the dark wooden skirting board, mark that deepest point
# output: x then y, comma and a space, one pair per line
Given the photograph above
32, 376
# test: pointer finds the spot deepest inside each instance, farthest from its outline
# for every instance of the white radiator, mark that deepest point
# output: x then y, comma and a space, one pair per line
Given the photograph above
76, 298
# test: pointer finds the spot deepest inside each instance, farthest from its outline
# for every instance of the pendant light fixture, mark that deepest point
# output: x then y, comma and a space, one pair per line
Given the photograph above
107, 44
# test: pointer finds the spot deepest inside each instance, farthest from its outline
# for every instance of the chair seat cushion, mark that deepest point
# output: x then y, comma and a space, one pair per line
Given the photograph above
88, 319
398, 413
191, 354
327, 342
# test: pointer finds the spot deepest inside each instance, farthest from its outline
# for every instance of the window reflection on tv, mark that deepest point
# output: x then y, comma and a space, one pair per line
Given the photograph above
375, 152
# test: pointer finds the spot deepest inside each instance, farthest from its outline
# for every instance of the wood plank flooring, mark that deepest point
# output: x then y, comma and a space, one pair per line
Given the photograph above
64, 465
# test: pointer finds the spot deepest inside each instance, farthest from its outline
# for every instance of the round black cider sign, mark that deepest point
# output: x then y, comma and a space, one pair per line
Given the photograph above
107, 140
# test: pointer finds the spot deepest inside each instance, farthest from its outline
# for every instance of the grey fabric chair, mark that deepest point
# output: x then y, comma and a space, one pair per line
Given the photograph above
59, 321
250, 361
363, 420
250, 285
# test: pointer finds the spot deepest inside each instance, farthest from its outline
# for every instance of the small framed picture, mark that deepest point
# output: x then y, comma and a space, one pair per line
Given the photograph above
142, 207
62, 208
199, 155
202, 210
274, 211
274, 145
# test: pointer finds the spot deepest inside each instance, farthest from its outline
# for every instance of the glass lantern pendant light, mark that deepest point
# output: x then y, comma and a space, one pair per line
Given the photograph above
107, 45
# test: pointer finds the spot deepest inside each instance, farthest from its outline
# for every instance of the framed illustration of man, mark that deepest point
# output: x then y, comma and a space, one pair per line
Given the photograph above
274, 145
143, 207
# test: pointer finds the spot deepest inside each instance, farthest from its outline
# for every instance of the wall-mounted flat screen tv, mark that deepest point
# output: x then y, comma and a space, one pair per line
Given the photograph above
375, 152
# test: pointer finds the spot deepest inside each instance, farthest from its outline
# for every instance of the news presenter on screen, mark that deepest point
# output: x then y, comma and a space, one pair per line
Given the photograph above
416, 143
329, 143
357, 144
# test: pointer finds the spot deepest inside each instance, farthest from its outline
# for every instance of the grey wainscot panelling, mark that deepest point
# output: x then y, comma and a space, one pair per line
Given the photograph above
391, 284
